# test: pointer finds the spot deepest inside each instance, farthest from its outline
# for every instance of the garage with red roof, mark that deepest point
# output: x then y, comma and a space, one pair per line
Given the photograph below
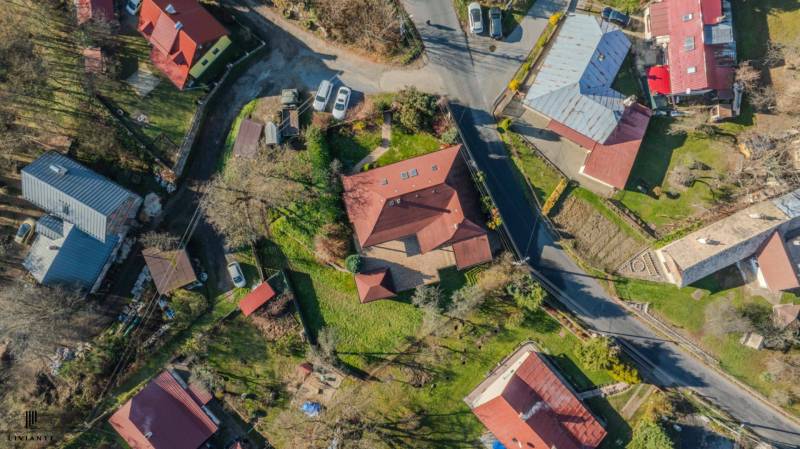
256, 298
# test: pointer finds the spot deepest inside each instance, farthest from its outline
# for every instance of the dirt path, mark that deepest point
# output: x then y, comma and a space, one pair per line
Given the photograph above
637, 399
386, 141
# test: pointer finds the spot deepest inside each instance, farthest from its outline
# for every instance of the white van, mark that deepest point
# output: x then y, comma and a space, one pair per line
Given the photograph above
322, 96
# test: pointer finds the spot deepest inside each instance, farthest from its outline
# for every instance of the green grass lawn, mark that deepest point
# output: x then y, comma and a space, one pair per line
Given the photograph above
542, 177
598, 204
679, 308
660, 153
351, 147
168, 110
405, 146
329, 298
760, 21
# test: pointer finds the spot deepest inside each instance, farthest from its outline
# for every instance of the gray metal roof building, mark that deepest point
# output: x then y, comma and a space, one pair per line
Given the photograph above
573, 85
63, 254
74, 193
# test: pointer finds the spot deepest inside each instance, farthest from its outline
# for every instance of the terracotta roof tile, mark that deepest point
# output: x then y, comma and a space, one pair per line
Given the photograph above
776, 266
256, 298
374, 285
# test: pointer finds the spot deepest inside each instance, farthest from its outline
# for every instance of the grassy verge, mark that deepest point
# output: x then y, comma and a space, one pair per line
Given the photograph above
405, 146
350, 148
541, 176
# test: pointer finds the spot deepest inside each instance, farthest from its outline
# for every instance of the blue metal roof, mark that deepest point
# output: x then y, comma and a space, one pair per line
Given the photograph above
73, 192
50, 226
573, 85
76, 259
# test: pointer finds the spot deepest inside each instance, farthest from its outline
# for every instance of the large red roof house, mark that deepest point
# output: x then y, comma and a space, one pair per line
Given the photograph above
526, 404
573, 91
699, 48
428, 199
181, 33
166, 414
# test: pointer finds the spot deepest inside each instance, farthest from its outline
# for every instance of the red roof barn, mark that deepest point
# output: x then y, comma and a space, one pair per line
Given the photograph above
94, 9
526, 404
700, 46
164, 415
430, 197
256, 298
180, 32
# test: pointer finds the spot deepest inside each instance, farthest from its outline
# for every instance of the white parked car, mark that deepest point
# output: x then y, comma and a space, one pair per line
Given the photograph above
322, 96
341, 103
475, 14
133, 6
235, 271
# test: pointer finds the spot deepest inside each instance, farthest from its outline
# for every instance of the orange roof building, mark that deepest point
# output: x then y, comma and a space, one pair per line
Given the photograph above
94, 9
775, 265
165, 415
374, 285
181, 31
256, 298
526, 404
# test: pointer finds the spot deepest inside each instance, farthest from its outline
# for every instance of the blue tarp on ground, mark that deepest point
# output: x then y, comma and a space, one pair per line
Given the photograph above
311, 409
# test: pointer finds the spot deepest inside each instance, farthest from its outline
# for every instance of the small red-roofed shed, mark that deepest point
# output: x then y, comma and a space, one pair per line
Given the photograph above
374, 285
256, 298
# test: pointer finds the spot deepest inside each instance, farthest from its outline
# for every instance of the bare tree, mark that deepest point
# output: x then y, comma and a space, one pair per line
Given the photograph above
748, 75
425, 295
161, 240
763, 98
722, 318
331, 243
465, 300
503, 272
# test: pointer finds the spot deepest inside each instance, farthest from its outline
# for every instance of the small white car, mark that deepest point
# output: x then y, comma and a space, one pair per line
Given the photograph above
235, 272
341, 103
133, 6
25, 231
475, 14
322, 96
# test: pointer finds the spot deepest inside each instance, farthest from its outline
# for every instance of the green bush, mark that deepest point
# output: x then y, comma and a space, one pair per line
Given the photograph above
353, 263
649, 435
598, 353
622, 372
187, 305
450, 136
320, 157
416, 109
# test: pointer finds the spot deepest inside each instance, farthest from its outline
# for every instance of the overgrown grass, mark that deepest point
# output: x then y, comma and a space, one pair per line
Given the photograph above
329, 298
598, 204
661, 153
542, 177
405, 146
351, 148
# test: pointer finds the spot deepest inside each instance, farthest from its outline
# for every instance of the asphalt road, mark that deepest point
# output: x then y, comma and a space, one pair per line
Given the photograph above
473, 84
472, 76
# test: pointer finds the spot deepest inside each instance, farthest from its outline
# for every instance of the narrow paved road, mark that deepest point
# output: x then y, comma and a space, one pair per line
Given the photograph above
472, 78
475, 84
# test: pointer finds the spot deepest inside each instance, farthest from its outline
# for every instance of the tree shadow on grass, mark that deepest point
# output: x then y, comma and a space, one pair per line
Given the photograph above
572, 372
652, 161
619, 431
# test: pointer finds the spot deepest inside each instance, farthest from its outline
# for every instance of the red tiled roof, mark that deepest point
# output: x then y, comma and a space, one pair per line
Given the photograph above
611, 162
374, 285
472, 251
200, 393
94, 9
438, 204
658, 80
256, 298
776, 266
170, 270
708, 72
163, 416
178, 38
535, 409
659, 19
93, 61
246, 144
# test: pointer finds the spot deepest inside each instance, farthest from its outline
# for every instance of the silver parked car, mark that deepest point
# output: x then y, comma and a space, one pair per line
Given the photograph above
341, 103
235, 272
475, 17
495, 23
322, 96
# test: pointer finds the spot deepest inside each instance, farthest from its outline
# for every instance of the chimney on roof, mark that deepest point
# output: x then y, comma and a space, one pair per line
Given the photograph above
170, 9
178, 25
60, 170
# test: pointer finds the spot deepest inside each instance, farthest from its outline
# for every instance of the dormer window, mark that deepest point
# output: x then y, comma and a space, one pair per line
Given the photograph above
691, 69
688, 16
688, 43
434, 167
403, 175
413, 172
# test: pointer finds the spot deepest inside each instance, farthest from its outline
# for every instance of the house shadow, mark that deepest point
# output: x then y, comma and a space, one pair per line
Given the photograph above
652, 162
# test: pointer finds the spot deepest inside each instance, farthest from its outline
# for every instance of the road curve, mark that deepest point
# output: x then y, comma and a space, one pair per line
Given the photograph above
471, 86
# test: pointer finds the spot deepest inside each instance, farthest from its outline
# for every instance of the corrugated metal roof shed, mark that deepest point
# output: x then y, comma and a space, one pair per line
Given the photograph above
76, 259
573, 85
272, 135
73, 192
50, 226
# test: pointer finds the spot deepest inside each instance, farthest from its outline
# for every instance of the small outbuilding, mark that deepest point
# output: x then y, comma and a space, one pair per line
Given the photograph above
272, 135
374, 285
246, 144
170, 270
256, 298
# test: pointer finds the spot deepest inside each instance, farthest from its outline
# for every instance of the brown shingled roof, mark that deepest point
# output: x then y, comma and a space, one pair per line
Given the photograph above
374, 285
171, 270
163, 416
246, 144
430, 197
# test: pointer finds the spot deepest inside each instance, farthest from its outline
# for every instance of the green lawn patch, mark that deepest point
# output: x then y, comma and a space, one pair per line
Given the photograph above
541, 176
661, 153
329, 298
757, 22
618, 429
405, 146
350, 147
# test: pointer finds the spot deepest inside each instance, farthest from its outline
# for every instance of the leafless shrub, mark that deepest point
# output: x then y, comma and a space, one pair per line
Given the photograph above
331, 244
722, 318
